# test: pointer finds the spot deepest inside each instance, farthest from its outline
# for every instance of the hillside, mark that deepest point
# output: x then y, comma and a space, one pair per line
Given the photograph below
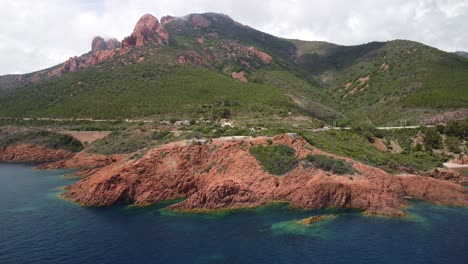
208, 65
462, 53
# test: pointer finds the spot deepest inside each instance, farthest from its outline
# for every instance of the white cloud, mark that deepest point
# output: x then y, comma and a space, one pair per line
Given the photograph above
38, 34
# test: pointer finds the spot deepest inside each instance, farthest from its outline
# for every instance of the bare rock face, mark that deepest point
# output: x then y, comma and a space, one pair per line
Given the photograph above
147, 30
449, 175
238, 52
32, 153
461, 159
112, 43
223, 175
98, 44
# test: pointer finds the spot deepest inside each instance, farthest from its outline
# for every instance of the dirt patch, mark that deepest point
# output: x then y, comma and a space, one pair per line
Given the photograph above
363, 80
87, 137
384, 67
380, 144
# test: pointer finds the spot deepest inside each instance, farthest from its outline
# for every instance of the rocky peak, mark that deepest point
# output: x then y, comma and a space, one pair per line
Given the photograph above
100, 44
166, 19
147, 30
113, 43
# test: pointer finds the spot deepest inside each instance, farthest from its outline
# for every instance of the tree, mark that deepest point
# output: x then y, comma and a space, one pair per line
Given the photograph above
432, 139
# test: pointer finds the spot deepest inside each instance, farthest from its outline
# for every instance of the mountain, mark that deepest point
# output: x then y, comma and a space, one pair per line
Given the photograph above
462, 53
208, 65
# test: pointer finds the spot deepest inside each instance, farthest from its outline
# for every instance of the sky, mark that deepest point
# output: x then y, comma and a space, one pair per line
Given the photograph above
38, 34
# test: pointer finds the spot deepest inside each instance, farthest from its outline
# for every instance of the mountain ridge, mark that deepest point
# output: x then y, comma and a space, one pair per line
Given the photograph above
324, 80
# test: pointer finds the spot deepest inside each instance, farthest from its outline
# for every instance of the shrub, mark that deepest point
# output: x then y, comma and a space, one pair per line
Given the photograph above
453, 144
366, 130
275, 159
43, 138
432, 139
457, 128
333, 165
158, 135
121, 142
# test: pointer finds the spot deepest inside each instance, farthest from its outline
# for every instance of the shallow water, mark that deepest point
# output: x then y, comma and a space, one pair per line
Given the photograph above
38, 227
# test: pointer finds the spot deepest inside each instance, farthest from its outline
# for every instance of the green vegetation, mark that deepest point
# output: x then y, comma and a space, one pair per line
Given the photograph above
275, 159
333, 165
432, 138
383, 82
349, 144
142, 90
42, 138
122, 142
401, 80
453, 144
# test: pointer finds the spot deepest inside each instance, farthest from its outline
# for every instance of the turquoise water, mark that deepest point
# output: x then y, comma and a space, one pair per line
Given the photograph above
38, 227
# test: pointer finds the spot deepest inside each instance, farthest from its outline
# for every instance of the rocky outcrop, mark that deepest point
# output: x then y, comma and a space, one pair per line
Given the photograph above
76, 63
447, 116
112, 43
86, 163
84, 160
192, 58
147, 30
32, 153
223, 175
251, 55
99, 43
239, 76
460, 159
449, 175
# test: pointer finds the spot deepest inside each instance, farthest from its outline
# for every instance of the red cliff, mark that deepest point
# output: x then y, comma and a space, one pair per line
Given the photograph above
223, 175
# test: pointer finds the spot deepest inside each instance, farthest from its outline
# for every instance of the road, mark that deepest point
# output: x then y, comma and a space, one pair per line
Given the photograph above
151, 121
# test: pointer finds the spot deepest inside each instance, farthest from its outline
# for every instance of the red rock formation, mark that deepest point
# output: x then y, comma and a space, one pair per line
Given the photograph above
76, 63
84, 160
147, 30
224, 175
236, 51
87, 163
112, 43
239, 76
98, 43
461, 159
449, 175
33, 153
192, 57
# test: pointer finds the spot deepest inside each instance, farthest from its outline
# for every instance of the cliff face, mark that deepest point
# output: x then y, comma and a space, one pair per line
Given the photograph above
32, 153
147, 30
224, 175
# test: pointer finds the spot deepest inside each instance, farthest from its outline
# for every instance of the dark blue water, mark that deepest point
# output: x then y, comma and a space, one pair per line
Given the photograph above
38, 227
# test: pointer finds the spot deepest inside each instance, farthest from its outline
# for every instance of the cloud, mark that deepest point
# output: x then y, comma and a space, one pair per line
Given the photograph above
40, 34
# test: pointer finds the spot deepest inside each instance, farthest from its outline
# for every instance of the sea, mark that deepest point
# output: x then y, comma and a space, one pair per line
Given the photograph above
37, 226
